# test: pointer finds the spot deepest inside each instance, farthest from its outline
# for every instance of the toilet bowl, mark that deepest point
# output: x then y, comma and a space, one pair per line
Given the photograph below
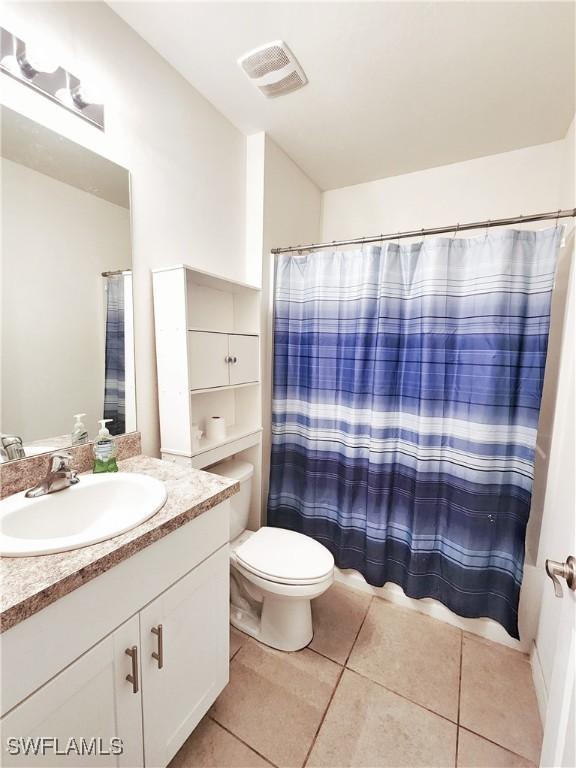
274, 573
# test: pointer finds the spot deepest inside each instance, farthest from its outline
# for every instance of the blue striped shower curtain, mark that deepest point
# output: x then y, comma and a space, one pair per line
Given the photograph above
407, 387
114, 385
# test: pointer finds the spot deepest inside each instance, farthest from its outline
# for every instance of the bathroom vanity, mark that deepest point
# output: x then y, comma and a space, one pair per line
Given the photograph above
125, 639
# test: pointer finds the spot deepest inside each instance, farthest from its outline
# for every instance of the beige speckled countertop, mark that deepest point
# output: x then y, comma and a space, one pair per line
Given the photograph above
31, 583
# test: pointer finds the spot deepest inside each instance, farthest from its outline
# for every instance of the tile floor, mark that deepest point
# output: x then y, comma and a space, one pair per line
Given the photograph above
378, 686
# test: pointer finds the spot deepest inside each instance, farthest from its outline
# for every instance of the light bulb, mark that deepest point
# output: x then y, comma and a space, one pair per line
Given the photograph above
64, 95
10, 63
40, 60
85, 93
9, 60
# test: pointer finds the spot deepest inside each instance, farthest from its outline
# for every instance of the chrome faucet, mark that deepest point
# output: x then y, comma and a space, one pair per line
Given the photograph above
59, 476
11, 447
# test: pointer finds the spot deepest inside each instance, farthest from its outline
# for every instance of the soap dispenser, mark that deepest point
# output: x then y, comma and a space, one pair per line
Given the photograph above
79, 433
104, 450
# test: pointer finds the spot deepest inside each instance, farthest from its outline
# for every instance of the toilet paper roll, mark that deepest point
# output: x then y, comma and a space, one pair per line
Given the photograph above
215, 428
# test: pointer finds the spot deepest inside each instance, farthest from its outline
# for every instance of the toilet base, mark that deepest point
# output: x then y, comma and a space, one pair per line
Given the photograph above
276, 614
284, 624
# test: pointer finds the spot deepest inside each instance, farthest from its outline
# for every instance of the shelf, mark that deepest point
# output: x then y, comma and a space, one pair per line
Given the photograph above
230, 332
233, 433
211, 390
211, 280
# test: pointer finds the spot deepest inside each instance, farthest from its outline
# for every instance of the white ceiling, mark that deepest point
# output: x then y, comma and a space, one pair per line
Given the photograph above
394, 86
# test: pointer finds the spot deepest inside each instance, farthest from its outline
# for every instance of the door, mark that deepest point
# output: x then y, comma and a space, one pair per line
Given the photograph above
90, 700
208, 359
244, 359
184, 656
559, 745
557, 627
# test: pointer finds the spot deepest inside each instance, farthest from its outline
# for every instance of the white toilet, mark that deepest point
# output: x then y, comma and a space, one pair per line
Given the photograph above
274, 573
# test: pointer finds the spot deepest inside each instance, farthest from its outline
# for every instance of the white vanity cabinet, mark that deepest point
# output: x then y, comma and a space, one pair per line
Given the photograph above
244, 358
91, 698
222, 359
67, 673
184, 641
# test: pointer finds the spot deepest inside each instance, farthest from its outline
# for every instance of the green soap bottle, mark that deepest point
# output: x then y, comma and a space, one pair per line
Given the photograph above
104, 450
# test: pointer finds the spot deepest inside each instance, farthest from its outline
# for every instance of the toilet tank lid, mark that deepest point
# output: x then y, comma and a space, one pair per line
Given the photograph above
235, 469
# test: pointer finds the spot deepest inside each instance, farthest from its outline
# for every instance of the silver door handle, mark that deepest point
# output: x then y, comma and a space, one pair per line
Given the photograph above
133, 678
558, 571
159, 654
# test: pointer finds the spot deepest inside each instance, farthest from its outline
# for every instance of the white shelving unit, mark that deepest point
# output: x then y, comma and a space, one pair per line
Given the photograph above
208, 361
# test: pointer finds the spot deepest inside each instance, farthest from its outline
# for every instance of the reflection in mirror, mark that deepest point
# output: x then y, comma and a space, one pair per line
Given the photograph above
67, 318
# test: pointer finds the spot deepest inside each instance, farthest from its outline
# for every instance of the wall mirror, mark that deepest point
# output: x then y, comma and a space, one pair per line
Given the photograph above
66, 291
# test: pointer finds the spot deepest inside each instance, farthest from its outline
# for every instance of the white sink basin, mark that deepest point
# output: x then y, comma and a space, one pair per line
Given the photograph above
99, 507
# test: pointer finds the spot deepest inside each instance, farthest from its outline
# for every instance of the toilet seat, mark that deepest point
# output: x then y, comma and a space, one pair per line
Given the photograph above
285, 557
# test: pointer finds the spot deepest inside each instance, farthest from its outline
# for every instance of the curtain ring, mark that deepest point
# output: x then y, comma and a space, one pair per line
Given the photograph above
558, 217
456, 230
487, 230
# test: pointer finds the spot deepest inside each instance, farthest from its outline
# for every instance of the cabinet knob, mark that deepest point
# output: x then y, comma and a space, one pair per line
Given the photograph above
159, 654
133, 678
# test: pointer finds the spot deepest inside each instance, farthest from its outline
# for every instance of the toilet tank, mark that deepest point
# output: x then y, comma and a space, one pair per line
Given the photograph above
241, 472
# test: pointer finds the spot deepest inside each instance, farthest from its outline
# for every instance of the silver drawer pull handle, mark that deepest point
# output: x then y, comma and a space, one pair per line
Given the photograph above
133, 678
159, 655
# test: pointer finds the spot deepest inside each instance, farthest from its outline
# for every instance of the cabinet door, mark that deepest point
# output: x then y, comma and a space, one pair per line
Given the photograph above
245, 365
187, 627
208, 359
91, 700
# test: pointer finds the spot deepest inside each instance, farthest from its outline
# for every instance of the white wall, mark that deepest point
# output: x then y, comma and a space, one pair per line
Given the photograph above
187, 162
291, 207
523, 181
56, 242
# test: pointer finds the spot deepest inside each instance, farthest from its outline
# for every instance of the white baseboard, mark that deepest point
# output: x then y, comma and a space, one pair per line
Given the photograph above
539, 682
485, 628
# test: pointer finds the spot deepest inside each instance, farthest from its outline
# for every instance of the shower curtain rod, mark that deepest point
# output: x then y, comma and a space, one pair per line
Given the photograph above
117, 272
552, 216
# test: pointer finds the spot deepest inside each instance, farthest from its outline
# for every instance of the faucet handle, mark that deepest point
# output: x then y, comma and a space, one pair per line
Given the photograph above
61, 461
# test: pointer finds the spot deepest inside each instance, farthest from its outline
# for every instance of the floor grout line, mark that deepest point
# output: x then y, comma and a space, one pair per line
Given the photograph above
245, 743
323, 655
496, 744
342, 670
459, 699
359, 630
401, 695
234, 654
321, 723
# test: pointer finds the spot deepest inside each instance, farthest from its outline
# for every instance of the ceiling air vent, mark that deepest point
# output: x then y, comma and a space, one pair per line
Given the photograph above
273, 69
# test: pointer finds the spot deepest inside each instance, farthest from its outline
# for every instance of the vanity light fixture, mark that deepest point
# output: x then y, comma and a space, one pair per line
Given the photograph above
37, 68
